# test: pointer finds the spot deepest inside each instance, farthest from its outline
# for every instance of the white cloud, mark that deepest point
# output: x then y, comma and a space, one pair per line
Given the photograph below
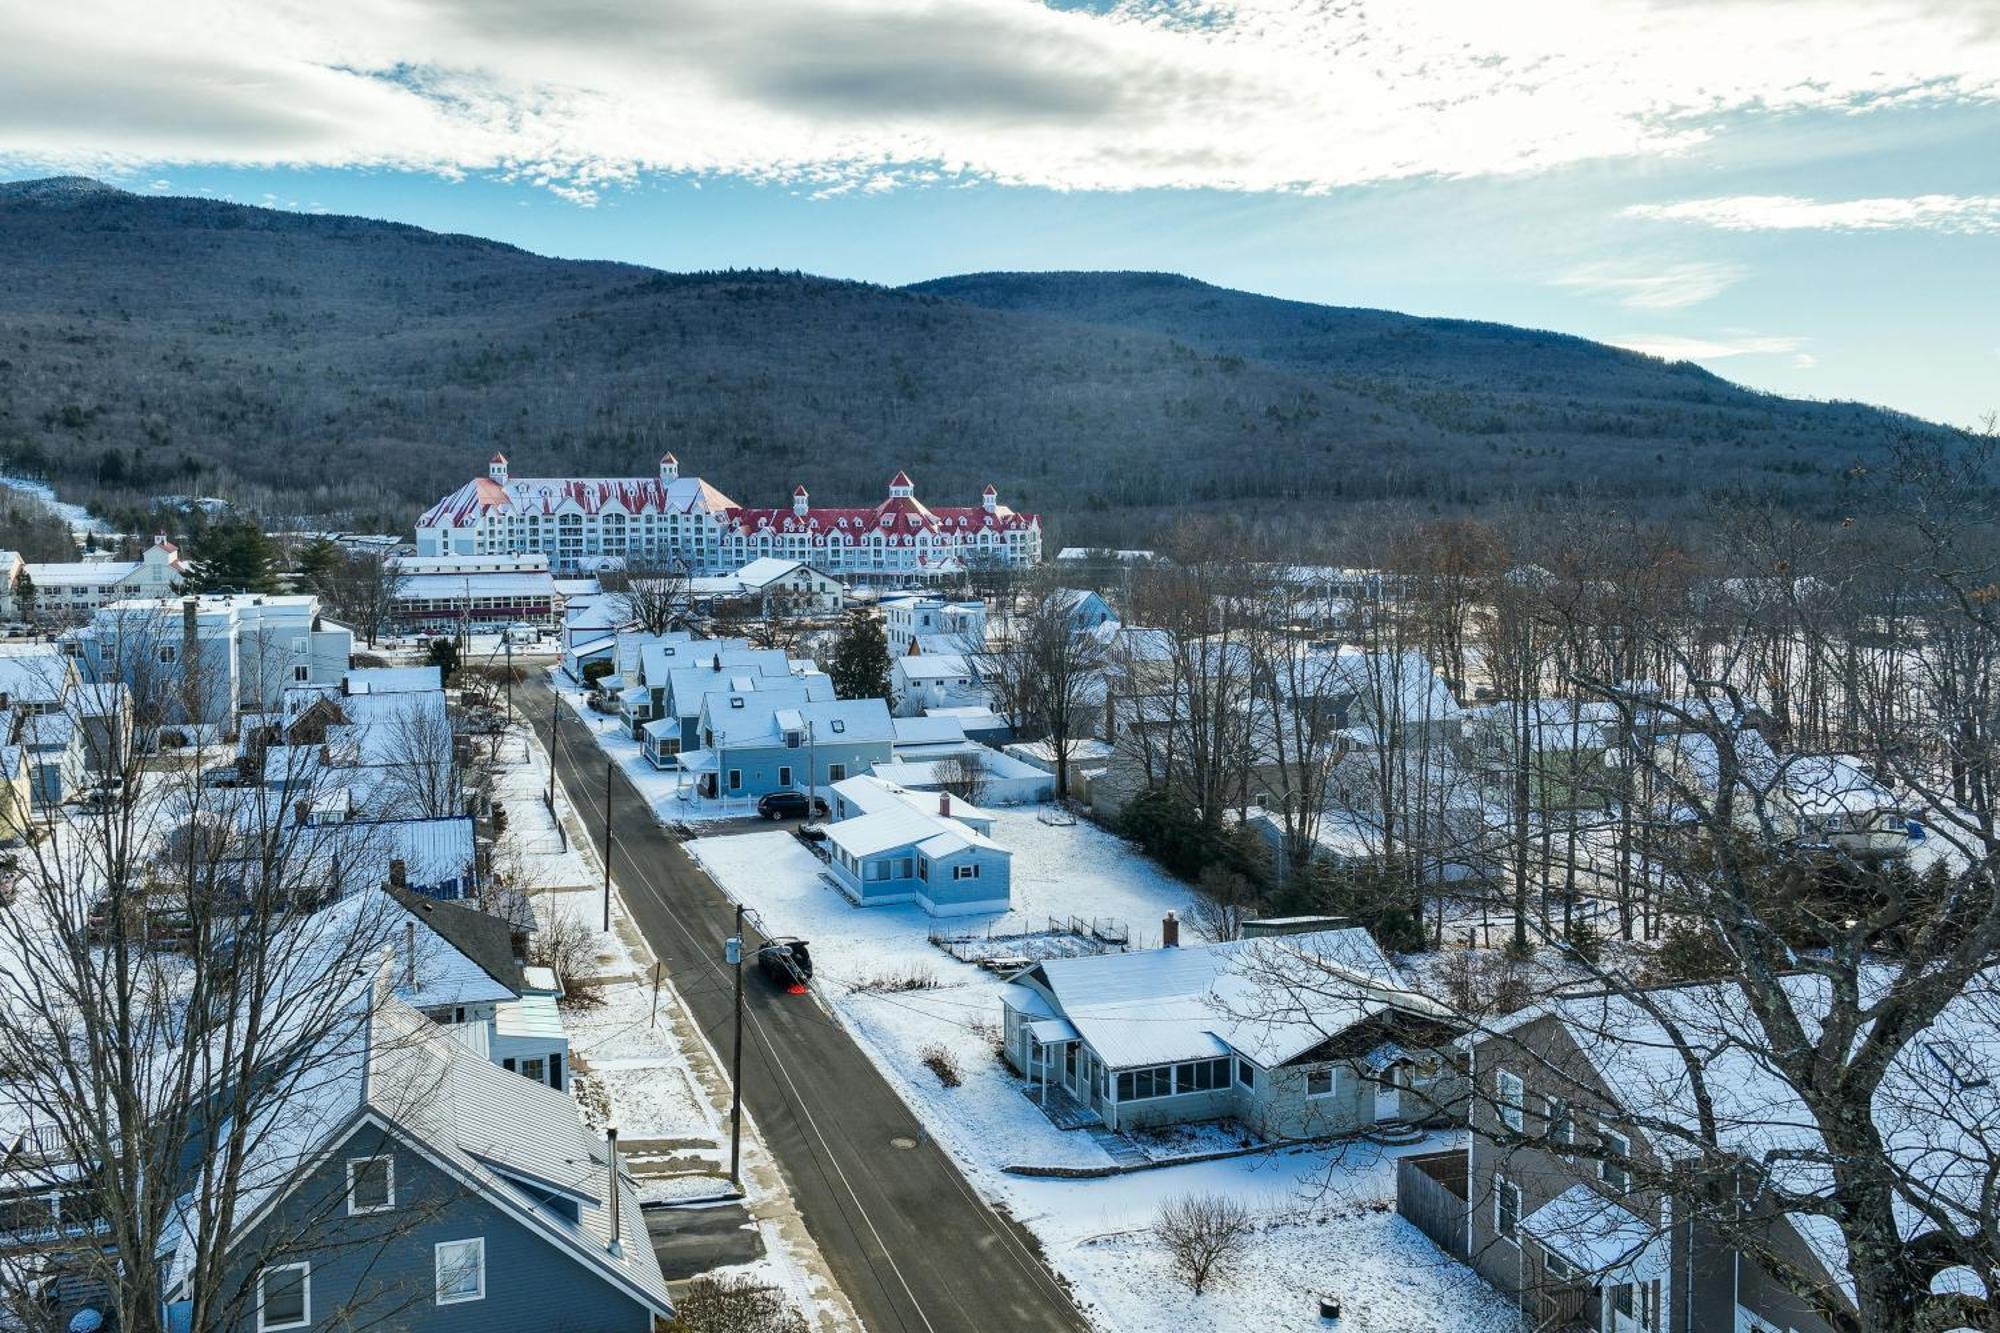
1804, 361
1675, 347
1671, 287
1963, 213
1256, 95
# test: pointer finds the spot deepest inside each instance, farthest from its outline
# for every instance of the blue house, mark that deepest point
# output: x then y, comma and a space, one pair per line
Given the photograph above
409, 1183
891, 845
754, 742
676, 723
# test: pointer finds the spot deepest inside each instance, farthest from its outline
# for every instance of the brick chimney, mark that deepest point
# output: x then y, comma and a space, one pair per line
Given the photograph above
399, 874
1170, 931
944, 804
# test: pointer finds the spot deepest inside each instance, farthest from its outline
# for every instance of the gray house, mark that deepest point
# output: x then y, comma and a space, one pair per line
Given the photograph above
415, 1185
1584, 1110
1178, 1034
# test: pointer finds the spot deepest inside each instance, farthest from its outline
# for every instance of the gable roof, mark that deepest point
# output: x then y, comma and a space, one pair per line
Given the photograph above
484, 1125
1270, 999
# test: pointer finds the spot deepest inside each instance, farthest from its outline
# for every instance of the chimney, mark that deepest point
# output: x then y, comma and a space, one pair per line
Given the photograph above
302, 811
1170, 931
410, 956
611, 1151
944, 804
399, 873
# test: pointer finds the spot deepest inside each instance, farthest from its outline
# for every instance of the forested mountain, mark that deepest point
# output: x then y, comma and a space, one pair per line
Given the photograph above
352, 370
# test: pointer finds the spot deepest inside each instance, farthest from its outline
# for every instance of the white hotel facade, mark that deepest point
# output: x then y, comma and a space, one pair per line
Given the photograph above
581, 523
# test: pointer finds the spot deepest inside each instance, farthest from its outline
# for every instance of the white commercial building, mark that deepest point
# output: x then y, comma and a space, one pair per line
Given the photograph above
582, 523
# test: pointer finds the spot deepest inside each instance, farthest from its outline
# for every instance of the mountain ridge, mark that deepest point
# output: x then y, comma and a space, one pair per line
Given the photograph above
350, 370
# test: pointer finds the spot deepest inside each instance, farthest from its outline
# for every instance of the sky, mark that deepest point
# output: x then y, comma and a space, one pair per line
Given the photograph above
1802, 195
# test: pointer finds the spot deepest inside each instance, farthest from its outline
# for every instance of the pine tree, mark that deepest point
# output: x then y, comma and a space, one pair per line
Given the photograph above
234, 556
25, 596
860, 667
443, 654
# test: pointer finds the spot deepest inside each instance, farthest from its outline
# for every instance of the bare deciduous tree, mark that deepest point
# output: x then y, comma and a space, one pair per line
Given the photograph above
651, 593
1045, 672
1203, 1235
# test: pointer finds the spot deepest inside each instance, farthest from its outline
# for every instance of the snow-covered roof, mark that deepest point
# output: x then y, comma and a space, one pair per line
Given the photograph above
394, 680
1597, 1235
831, 721
904, 825
487, 1127
928, 731
1156, 1006
1814, 785
34, 676
533, 1017
427, 970
941, 666
460, 587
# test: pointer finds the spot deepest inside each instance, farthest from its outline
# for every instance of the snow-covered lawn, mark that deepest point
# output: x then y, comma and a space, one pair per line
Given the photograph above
1327, 1224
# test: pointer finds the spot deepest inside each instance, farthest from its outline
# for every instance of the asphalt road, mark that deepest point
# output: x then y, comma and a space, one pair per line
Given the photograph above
690, 1241
911, 1244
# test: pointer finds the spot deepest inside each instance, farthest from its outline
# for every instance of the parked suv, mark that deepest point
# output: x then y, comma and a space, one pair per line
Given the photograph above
786, 961
790, 805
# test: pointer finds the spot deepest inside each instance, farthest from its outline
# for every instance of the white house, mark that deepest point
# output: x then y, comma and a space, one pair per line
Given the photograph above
935, 680
934, 623
78, 587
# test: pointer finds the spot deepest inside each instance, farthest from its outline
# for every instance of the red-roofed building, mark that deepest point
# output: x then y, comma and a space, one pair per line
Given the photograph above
580, 523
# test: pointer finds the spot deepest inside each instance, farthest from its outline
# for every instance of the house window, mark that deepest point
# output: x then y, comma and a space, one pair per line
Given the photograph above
1559, 1268
1506, 1208
1202, 1076
924, 869
965, 872
1509, 1098
169, 654
878, 869
1319, 1082
1613, 1173
284, 1296
839, 725
535, 1069
1246, 1073
1562, 1125
1635, 1303
1137, 1085
461, 1270
301, 674
371, 1184
784, 777
736, 779
836, 772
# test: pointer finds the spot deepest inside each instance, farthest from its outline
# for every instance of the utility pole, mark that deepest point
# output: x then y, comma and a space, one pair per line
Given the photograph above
732, 952
508, 681
607, 845
555, 717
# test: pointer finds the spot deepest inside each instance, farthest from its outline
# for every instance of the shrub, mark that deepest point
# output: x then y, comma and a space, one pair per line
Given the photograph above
1204, 1234
733, 1305
937, 1058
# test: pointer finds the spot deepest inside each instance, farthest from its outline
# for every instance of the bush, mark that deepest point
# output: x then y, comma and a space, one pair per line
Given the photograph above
911, 977
733, 1305
567, 947
596, 671
937, 1058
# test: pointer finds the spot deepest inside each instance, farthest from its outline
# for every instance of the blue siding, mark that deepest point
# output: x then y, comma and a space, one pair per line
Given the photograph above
379, 1269
761, 767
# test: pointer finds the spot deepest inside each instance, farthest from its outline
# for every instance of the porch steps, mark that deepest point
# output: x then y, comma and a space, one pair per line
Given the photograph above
1120, 1149
1394, 1133
1063, 1110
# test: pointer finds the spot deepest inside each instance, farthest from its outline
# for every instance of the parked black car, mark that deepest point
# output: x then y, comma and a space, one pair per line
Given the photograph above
790, 805
786, 961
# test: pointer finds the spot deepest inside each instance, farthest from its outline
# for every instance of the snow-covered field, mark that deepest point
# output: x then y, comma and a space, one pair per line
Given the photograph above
1326, 1215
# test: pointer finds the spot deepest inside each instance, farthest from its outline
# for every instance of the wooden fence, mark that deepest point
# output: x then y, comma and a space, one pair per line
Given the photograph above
1431, 1193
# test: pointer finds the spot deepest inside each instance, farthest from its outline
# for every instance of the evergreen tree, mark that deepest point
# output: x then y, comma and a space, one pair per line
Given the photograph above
317, 562
233, 556
444, 656
25, 596
860, 667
